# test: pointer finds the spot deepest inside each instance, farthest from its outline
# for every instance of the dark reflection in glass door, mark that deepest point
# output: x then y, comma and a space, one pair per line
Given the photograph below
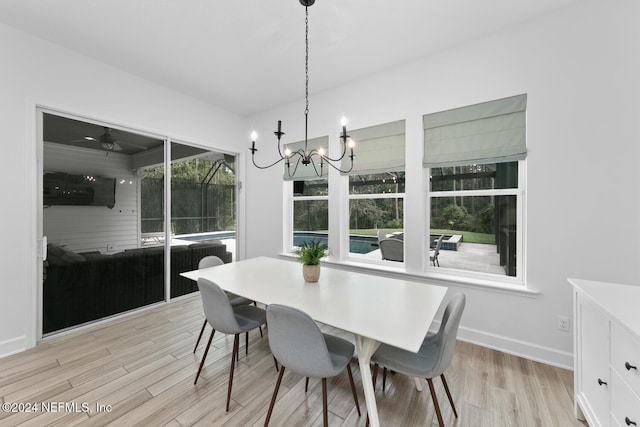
107, 252
101, 261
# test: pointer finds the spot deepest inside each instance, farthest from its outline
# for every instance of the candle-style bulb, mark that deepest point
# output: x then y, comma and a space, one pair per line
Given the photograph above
344, 130
321, 151
254, 135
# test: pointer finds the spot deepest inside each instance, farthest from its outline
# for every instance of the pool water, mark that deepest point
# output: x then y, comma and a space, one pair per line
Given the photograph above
357, 244
206, 236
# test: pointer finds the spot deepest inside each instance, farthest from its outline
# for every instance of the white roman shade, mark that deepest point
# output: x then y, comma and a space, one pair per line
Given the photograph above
489, 132
306, 172
377, 149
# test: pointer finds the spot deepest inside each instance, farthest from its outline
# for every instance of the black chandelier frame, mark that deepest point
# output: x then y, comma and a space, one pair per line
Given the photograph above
306, 156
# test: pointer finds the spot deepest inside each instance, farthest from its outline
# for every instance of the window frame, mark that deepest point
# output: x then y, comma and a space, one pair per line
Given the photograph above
519, 193
291, 199
354, 256
418, 194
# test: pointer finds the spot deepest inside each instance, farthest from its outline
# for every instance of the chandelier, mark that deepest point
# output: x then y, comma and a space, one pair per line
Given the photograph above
316, 157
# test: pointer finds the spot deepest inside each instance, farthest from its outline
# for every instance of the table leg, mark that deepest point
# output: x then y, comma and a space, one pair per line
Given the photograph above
418, 383
366, 347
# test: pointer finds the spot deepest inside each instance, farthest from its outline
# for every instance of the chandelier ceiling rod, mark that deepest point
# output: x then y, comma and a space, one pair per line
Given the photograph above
306, 156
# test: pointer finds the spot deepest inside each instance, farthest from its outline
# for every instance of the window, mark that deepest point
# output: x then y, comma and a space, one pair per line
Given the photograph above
376, 202
310, 211
472, 196
376, 187
310, 198
475, 208
475, 157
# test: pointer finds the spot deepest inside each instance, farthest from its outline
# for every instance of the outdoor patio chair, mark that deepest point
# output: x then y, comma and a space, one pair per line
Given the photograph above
392, 249
433, 254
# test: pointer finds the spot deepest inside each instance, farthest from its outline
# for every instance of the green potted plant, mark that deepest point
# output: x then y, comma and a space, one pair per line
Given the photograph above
309, 254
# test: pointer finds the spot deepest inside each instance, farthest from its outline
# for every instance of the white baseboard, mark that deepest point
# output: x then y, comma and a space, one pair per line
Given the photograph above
527, 350
12, 346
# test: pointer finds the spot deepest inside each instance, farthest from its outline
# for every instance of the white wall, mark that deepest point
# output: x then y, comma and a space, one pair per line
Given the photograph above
580, 69
35, 72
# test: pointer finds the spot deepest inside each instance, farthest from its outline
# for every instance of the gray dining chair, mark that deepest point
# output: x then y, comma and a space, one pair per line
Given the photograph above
214, 261
225, 318
433, 254
392, 249
298, 344
432, 359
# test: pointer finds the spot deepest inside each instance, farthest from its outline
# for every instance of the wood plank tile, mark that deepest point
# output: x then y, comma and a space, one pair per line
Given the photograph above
143, 366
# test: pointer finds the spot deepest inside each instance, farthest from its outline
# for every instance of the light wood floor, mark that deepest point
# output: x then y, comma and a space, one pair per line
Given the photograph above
143, 367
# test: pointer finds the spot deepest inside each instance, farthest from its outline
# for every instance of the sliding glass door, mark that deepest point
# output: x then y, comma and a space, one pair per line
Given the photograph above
203, 211
202, 220
117, 242
95, 266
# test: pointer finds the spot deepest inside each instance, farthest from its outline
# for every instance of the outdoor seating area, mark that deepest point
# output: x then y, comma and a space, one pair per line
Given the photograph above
452, 253
469, 256
473, 257
152, 239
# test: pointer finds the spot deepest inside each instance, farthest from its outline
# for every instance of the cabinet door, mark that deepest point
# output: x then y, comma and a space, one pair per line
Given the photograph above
594, 372
625, 405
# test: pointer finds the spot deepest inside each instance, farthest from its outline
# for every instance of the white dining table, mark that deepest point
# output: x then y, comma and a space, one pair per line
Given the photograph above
374, 308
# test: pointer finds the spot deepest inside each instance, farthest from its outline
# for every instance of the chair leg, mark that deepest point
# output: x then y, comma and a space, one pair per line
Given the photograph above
325, 412
353, 389
246, 343
446, 388
259, 327
306, 385
273, 398
384, 379
276, 362
435, 402
375, 375
204, 356
234, 355
200, 336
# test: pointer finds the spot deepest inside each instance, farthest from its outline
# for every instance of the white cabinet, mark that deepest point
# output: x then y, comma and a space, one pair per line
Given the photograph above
593, 359
607, 353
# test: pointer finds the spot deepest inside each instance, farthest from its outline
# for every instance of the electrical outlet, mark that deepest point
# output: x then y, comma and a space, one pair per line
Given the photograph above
563, 323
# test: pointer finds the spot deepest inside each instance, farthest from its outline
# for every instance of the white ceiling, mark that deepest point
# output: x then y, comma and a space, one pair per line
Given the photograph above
248, 56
